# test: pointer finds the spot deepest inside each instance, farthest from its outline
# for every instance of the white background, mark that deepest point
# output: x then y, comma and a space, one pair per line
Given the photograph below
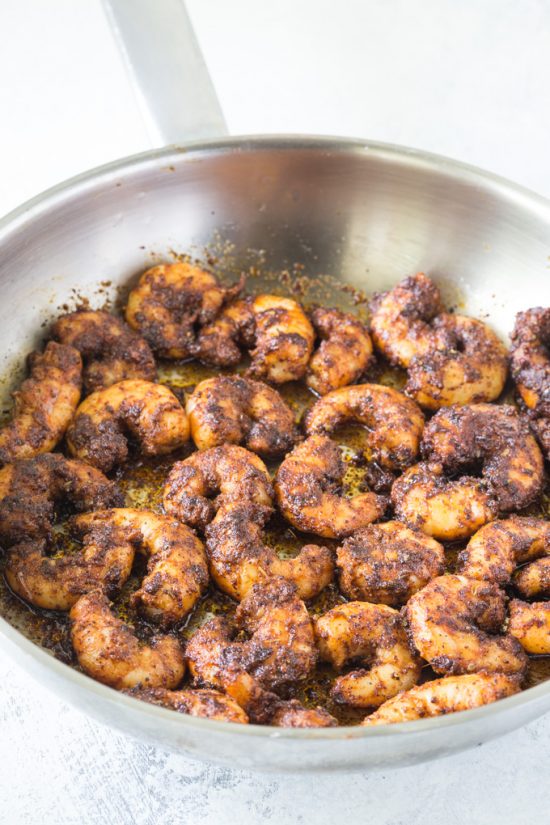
466, 78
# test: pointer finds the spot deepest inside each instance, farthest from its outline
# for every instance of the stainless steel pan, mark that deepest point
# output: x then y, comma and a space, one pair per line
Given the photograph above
361, 212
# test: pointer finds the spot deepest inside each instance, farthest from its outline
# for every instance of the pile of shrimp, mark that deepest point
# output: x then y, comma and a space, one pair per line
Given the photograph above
421, 592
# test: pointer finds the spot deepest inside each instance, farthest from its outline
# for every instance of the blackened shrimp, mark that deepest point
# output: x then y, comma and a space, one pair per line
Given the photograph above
442, 696
283, 339
30, 490
446, 509
455, 624
170, 301
394, 422
292, 714
372, 634
401, 320
387, 563
44, 404
494, 438
177, 573
472, 369
530, 625
220, 342
452, 359
57, 582
151, 413
495, 551
208, 704
230, 409
530, 368
280, 651
111, 351
344, 353
108, 650
199, 485
239, 558
308, 490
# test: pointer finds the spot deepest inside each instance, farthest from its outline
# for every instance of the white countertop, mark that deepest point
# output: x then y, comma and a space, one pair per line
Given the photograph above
466, 79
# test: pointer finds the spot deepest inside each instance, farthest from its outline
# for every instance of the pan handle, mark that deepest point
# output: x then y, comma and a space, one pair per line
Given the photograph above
167, 69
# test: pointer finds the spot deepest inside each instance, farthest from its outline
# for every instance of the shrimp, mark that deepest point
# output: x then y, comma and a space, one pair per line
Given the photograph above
280, 651
30, 489
112, 352
56, 583
445, 509
219, 342
108, 651
231, 473
394, 422
209, 704
344, 353
454, 624
461, 438
474, 369
374, 635
283, 339
530, 625
44, 404
530, 368
442, 696
239, 558
230, 409
451, 359
177, 573
534, 579
387, 563
292, 714
150, 412
307, 487
170, 301
494, 552
401, 319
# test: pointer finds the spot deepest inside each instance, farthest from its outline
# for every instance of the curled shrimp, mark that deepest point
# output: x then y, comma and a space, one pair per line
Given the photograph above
401, 319
239, 557
208, 704
56, 583
111, 351
108, 650
150, 412
530, 625
495, 551
219, 342
230, 409
229, 473
344, 353
496, 437
372, 634
170, 301
292, 714
44, 404
30, 490
177, 573
442, 696
308, 485
387, 563
455, 623
451, 359
530, 368
394, 422
446, 509
280, 649
283, 339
